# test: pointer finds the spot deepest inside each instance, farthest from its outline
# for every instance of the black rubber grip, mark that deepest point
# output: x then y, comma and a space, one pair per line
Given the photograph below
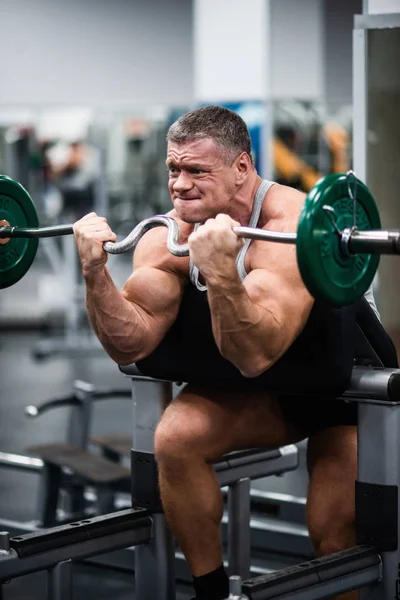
79, 531
295, 578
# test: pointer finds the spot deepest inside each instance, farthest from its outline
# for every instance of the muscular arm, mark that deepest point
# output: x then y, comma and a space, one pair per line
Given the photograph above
131, 323
256, 321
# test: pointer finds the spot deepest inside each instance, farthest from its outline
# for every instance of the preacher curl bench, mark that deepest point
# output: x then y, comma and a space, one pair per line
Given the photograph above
372, 566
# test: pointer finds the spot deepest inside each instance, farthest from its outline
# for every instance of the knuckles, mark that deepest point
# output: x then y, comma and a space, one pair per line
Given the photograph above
94, 228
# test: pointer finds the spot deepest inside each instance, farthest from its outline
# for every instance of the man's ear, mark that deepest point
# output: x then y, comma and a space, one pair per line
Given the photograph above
244, 165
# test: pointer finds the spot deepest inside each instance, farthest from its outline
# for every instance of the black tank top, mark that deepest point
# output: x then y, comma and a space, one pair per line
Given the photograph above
320, 360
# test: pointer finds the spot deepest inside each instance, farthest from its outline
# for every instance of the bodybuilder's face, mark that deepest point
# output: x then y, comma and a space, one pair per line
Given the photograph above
201, 183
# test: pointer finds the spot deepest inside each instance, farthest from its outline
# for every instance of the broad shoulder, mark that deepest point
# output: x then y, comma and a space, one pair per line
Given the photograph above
281, 209
273, 276
282, 206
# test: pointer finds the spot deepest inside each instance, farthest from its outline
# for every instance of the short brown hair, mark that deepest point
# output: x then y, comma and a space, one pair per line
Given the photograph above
222, 125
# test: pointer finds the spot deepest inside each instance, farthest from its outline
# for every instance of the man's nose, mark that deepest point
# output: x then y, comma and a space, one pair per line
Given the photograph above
182, 183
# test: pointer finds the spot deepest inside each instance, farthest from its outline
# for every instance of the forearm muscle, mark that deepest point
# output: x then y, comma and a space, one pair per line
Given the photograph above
247, 334
118, 324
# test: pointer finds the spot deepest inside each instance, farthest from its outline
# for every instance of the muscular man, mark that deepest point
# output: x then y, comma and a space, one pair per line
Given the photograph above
250, 306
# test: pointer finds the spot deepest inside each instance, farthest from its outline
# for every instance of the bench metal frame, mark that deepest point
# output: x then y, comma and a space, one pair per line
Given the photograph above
235, 470
372, 567
373, 570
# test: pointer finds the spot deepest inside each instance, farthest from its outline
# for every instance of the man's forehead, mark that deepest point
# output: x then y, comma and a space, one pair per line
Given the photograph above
197, 149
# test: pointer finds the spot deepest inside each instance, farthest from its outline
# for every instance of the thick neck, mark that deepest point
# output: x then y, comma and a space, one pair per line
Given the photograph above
242, 205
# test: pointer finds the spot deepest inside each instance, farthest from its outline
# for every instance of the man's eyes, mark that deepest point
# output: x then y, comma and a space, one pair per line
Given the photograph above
174, 171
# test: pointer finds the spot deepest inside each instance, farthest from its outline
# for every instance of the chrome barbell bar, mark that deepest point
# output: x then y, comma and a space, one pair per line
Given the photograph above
353, 241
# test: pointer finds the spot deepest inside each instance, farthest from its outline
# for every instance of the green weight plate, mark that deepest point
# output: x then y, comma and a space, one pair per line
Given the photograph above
17, 209
329, 274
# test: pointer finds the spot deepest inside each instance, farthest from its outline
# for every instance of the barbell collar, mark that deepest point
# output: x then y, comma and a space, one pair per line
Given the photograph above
374, 242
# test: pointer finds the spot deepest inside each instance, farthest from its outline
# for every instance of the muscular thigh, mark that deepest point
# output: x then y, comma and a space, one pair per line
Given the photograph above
216, 421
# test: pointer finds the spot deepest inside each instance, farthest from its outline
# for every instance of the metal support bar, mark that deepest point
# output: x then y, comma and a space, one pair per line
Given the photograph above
328, 589
12, 566
155, 561
155, 564
228, 472
81, 417
379, 464
49, 492
59, 581
239, 528
320, 578
20, 462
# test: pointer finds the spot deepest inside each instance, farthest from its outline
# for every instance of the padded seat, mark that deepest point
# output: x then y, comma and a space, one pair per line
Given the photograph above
95, 469
117, 443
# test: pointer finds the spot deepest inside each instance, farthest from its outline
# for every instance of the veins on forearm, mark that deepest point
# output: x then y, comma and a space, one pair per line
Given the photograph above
233, 313
246, 333
116, 323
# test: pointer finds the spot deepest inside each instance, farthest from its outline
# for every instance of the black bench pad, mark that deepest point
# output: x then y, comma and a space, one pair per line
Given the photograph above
96, 469
120, 443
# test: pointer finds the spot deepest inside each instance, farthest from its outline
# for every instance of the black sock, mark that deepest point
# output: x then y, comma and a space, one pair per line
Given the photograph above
212, 586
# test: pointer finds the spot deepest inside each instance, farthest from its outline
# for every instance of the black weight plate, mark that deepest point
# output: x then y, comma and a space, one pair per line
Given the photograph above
17, 210
329, 274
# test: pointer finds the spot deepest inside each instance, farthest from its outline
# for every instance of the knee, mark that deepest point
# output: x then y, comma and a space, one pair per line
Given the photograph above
167, 443
176, 442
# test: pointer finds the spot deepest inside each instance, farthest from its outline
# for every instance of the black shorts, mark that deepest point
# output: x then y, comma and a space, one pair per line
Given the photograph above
314, 415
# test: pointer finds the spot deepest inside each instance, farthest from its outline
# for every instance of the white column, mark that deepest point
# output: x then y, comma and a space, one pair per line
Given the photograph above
297, 49
380, 7
230, 50
256, 51
376, 145
232, 65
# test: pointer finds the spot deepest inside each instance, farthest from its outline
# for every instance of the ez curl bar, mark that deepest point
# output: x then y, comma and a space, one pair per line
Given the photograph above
338, 241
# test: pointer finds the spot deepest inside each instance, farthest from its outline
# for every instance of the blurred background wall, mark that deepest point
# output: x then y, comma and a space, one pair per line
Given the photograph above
129, 68
96, 52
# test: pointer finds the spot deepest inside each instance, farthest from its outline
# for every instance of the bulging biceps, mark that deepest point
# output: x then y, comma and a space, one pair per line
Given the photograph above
156, 292
282, 294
